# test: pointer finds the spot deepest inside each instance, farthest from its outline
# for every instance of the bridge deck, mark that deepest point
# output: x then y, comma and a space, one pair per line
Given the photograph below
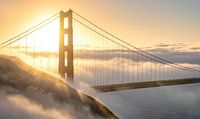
138, 85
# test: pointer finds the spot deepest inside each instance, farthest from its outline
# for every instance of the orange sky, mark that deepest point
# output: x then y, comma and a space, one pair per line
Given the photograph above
140, 22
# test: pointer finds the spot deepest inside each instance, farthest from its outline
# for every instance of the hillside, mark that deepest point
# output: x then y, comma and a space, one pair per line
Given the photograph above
31, 94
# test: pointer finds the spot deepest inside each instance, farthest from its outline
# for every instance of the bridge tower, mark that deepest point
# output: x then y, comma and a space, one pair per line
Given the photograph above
66, 68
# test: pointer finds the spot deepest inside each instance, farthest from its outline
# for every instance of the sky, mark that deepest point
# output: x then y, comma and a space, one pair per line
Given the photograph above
139, 22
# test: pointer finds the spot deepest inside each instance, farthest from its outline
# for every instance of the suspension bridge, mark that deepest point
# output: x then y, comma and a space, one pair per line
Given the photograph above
71, 46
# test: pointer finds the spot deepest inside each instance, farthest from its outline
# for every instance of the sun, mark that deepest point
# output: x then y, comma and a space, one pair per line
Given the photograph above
46, 38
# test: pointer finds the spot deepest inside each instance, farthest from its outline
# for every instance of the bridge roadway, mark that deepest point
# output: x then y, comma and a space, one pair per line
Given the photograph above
148, 84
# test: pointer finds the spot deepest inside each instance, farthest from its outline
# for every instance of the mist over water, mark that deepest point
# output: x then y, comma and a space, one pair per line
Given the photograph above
170, 102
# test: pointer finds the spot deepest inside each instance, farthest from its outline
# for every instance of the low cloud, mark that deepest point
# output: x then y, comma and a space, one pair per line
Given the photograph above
195, 48
176, 53
16, 106
164, 45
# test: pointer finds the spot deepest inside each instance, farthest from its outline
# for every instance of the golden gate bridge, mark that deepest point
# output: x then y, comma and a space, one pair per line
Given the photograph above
70, 45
